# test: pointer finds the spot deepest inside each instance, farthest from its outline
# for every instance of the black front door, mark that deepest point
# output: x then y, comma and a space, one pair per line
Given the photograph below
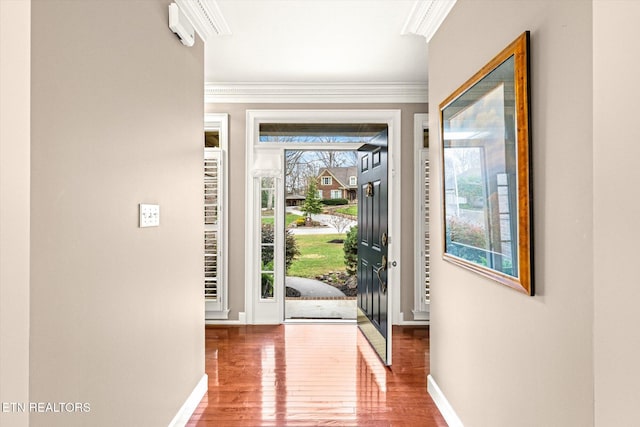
373, 307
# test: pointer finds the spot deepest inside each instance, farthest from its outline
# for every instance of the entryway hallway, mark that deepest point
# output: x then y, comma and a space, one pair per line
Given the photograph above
314, 375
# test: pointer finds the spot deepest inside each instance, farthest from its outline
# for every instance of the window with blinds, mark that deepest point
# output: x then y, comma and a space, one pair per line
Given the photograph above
216, 143
422, 284
425, 248
211, 223
425, 204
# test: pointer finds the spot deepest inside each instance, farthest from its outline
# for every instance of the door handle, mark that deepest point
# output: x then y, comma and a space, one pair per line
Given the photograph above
383, 267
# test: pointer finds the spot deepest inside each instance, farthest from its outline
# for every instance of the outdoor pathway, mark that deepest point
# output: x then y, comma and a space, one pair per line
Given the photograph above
324, 219
312, 288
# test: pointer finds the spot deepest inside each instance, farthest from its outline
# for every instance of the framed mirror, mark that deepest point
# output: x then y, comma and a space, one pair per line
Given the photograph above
486, 171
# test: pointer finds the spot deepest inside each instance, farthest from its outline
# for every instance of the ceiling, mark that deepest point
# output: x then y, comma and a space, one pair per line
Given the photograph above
316, 41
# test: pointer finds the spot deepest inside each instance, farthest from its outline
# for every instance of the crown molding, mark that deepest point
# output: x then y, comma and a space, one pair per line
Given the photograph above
205, 16
426, 17
368, 93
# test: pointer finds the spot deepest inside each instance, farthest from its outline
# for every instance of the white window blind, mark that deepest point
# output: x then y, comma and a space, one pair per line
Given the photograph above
426, 249
212, 192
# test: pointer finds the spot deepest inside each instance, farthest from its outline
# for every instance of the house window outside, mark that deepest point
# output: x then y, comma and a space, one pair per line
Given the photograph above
320, 194
353, 180
326, 180
336, 194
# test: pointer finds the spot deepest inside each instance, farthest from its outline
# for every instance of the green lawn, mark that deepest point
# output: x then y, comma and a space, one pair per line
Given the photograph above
318, 256
350, 210
290, 218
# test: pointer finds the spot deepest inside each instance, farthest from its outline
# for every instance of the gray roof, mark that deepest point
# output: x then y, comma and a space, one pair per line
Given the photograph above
342, 174
295, 197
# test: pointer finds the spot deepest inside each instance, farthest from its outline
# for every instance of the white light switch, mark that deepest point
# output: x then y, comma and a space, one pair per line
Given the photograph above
149, 215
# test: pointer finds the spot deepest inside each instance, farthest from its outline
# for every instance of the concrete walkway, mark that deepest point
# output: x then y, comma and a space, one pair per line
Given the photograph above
312, 288
325, 220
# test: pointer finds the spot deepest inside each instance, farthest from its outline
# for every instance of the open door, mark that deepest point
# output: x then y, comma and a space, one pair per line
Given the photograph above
373, 296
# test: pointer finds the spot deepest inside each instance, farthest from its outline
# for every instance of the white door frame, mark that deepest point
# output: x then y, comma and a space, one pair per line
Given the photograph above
267, 160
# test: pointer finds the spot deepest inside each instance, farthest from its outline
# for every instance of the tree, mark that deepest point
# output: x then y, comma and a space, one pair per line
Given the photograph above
293, 170
338, 222
312, 204
329, 159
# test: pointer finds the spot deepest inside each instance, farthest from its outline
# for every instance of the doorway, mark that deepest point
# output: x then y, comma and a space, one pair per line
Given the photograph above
321, 218
265, 167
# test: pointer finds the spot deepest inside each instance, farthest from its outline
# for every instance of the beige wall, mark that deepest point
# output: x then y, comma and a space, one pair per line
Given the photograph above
502, 358
15, 41
237, 177
616, 209
117, 119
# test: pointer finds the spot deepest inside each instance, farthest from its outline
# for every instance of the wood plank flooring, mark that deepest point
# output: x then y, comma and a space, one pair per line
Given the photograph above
314, 375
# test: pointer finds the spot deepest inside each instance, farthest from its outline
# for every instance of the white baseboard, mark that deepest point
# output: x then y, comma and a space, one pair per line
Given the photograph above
442, 403
421, 315
216, 315
242, 320
222, 322
403, 322
413, 323
182, 417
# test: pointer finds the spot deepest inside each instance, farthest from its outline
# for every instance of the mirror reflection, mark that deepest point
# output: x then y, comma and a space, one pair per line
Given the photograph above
480, 173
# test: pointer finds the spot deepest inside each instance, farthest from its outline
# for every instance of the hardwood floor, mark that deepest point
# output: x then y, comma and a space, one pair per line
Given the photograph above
314, 375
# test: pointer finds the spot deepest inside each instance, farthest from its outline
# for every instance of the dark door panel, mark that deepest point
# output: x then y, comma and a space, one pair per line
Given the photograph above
372, 245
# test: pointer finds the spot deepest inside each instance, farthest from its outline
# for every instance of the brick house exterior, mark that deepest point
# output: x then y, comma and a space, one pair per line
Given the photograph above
338, 183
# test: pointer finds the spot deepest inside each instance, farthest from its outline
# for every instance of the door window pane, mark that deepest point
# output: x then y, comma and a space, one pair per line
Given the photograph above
267, 239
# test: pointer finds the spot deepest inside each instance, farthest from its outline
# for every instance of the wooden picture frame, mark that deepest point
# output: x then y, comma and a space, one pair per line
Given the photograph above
486, 171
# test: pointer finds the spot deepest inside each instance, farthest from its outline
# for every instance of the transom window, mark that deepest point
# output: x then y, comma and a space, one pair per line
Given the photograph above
314, 133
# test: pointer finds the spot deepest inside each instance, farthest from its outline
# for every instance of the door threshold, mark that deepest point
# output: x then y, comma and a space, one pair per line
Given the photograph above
320, 321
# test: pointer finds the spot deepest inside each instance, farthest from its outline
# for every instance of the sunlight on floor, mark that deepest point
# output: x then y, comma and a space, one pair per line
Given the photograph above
321, 309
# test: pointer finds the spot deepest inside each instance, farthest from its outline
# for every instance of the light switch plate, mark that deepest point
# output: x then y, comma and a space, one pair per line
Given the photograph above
149, 215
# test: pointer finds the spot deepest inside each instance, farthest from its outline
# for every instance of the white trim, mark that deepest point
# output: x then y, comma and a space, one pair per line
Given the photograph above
189, 406
320, 322
415, 322
205, 16
220, 122
421, 316
242, 320
426, 17
292, 92
442, 403
420, 307
392, 118
216, 314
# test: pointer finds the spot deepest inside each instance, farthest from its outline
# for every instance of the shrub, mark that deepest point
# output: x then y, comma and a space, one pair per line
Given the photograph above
291, 246
351, 251
467, 241
335, 202
267, 285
